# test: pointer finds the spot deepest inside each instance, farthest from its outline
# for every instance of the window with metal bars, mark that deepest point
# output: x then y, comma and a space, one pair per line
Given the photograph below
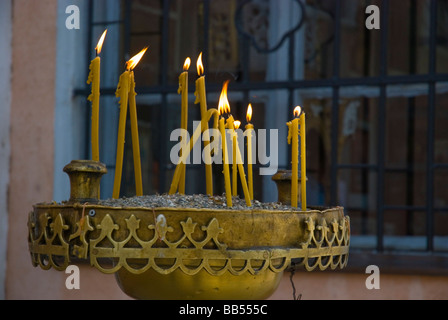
376, 103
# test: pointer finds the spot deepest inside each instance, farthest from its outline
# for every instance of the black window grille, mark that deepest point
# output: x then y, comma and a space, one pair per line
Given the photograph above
400, 105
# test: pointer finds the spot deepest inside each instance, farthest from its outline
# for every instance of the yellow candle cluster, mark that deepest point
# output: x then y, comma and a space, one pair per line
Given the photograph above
178, 182
126, 92
296, 129
238, 162
224, 107
197, 133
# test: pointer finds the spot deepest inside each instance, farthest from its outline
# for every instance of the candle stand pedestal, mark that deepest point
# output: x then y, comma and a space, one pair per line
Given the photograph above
283, 181
85, 177
186, 253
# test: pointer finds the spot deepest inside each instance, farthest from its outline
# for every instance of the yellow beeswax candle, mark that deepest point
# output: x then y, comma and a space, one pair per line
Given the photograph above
222, 130
239, 161
293, 139
123, 93
223, 107
230, 126
94, 97
249, 129
243, 178
183, 90
234, 164
303, 159
135, 138
202, 100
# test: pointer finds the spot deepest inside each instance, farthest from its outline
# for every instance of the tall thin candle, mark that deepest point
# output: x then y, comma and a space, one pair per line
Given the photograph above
303, 159
236, 125
135, 138
237, 159
94, 97
222, 108
239, 162
293, 139
230, 125
123, 92
249, 130
183, 90
201, 98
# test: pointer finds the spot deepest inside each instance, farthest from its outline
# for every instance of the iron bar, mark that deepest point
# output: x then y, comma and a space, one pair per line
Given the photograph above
381, 125
303, 84
410, 121
163, 112
86, 87
405, 207
205, 58
127, 30
104, 23
335, 104
430, 129
291, 68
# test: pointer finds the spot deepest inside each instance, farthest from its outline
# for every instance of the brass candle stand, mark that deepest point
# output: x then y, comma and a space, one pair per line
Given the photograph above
184, 253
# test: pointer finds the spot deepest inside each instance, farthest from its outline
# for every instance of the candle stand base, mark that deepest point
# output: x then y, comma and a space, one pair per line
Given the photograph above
186, 253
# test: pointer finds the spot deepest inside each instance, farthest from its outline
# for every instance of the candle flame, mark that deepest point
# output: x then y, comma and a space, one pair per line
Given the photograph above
99, 46
297, 111
237, 124
187, 64
223, 105
249, 113
200, 66
132, 63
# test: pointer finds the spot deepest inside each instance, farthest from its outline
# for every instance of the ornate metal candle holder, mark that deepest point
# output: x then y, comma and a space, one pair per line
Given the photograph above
178, 253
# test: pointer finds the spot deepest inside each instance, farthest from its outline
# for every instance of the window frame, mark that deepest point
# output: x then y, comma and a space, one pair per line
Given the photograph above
428, 261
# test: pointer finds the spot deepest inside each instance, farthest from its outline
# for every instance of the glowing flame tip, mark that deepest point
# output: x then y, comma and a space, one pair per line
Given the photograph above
199, 65
99, 46
187, 64
224, 105
237, 124
132, 63
249, 113
297, 111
